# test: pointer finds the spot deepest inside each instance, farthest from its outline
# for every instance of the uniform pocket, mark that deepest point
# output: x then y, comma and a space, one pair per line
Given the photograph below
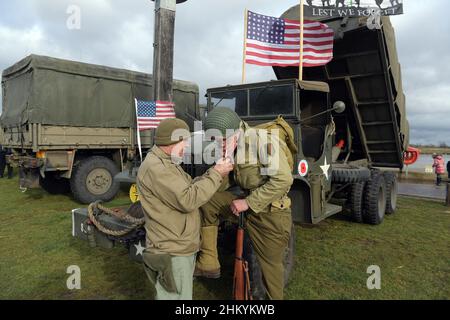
282, 220
282, 204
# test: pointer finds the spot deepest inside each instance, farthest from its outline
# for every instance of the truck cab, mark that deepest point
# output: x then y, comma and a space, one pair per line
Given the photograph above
305, 105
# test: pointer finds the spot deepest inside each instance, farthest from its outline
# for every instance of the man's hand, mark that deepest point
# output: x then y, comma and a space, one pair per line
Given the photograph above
238, 206
224, 167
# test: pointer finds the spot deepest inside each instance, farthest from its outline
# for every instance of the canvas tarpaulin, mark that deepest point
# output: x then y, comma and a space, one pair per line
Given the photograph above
52, 91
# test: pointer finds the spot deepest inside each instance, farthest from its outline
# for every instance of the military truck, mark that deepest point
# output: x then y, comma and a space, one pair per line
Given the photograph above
72, 126
346, 156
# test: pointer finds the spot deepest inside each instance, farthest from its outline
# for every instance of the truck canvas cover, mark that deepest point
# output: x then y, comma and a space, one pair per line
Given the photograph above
51, 91
365, 73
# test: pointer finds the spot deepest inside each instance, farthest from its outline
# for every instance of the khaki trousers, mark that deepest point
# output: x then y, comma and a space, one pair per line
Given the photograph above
183, 273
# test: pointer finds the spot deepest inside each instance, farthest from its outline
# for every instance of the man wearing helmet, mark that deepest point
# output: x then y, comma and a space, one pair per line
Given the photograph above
265, 200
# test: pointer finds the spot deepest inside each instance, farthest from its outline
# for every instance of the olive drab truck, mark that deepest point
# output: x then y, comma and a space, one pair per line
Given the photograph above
72, 126
342, 150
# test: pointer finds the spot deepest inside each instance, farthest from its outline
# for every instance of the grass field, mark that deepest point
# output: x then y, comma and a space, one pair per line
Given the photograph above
412, 249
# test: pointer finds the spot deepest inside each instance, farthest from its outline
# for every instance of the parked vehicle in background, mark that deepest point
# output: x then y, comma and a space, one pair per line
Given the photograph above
72, 126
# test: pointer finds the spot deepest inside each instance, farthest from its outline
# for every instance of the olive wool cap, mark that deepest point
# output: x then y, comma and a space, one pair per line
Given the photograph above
165, 130
222, 118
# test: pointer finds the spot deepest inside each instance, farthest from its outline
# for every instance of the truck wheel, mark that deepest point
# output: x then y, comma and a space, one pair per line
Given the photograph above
54, 184
350, 175
391, 192
357, 201
92, 180
375, 200
256, 277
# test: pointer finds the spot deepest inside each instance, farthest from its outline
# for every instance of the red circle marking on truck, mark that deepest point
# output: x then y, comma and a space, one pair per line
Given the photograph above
303, 168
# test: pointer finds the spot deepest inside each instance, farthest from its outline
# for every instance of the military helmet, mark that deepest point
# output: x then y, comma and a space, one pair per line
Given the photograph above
166, 129
222, 119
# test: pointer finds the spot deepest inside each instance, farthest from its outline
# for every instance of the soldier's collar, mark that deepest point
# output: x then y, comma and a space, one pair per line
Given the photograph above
161, 154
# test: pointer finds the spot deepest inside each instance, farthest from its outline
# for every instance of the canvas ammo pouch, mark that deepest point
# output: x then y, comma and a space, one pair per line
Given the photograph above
158, 267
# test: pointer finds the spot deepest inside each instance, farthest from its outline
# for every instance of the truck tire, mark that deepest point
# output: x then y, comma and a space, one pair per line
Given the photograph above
356, 201
342, 174
375, 200
391, 192
54, 184
256, 277
92, 180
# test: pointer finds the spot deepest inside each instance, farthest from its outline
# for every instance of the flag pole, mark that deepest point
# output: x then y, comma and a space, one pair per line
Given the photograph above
245, 46
302, 20
138, 132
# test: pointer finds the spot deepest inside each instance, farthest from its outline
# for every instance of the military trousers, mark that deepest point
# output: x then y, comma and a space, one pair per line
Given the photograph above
269, 232
183, 274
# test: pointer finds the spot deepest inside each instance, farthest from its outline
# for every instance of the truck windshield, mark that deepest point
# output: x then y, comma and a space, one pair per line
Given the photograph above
272, 101
234, 100
264, 101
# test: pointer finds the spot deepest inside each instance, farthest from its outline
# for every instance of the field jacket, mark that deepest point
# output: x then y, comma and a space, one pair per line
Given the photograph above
171, 200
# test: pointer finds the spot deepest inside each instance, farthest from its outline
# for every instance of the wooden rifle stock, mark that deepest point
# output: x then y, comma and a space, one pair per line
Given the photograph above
241, 286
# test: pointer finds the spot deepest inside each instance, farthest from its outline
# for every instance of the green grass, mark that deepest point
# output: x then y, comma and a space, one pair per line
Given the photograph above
412, 248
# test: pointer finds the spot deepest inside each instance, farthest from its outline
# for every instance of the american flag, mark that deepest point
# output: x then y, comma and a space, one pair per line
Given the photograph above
151, 113
272, 41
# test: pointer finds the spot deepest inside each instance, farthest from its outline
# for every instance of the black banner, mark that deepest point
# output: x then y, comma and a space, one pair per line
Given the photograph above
352, 8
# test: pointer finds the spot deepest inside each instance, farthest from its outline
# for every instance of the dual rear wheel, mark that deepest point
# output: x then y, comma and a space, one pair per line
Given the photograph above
370, 201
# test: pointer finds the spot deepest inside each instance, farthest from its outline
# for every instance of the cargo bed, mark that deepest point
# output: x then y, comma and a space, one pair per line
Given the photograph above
366, 75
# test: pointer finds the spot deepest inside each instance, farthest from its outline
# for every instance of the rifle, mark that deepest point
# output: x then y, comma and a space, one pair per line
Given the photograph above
241, 285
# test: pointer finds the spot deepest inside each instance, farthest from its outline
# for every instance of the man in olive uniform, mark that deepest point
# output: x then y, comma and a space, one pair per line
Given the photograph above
267, 203
171, 202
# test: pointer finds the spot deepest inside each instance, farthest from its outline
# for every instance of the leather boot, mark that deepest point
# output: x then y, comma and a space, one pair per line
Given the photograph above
208, 265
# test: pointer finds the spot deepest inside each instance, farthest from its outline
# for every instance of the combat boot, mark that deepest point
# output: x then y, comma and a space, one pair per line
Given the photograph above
208, 265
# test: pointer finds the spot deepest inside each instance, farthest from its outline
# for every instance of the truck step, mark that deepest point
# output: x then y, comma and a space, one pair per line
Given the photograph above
332, 209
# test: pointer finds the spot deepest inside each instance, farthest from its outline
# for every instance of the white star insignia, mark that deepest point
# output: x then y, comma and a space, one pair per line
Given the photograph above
325, 168
139, 249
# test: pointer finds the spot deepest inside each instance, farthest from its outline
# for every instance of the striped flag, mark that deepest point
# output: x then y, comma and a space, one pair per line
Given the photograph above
151, 113
272, 41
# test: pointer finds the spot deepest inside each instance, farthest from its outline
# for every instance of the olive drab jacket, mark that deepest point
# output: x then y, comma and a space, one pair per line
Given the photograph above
266, 188
171, 200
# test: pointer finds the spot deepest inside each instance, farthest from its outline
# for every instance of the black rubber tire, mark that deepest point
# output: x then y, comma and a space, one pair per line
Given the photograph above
79, 176
256, 278
350, 175
54, 184
375, 199
391, 192
356, 201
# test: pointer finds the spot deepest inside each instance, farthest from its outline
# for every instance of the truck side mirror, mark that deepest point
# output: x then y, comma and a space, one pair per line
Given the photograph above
339, 107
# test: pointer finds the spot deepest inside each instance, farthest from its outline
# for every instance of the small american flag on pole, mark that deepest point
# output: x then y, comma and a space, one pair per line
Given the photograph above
272, 41
151, 113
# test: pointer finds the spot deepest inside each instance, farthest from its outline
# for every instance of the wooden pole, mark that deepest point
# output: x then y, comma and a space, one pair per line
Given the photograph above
164, 50
245, 46
302, 19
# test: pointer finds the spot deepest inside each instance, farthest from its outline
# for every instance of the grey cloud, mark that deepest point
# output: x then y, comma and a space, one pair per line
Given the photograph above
209, 39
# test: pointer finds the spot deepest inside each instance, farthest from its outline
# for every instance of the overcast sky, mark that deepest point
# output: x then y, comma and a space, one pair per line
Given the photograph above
209, 35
